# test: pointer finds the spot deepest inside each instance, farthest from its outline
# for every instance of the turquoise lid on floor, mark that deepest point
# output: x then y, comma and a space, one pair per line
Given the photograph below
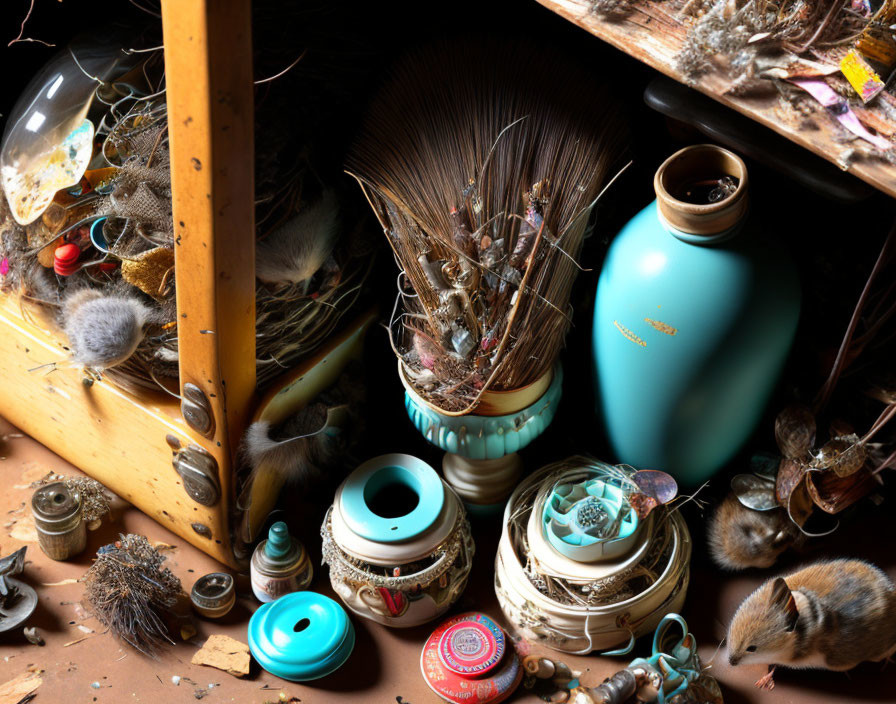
301, 636
391, 475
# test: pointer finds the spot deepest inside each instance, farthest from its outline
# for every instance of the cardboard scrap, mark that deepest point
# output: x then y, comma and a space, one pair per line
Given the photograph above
224, 653
16, 689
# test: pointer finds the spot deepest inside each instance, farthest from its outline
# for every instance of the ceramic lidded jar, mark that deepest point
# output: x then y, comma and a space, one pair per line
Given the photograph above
697, 306
397, 542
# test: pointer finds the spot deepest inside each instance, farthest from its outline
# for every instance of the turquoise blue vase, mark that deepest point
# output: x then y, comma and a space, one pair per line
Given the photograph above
696, 310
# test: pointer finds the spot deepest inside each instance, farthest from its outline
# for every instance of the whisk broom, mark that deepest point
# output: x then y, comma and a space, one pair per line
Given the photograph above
482, 164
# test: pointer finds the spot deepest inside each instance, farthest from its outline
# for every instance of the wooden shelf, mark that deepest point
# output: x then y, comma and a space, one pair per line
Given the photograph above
654, 35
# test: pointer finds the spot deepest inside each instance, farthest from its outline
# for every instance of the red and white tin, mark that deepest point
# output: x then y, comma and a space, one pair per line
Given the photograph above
466, 661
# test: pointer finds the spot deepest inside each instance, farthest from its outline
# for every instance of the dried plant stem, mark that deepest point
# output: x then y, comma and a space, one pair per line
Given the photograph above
840, 361
881, 421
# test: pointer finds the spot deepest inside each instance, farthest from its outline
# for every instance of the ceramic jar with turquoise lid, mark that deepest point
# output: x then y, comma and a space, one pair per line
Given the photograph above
697, 307
481, 462
397, 542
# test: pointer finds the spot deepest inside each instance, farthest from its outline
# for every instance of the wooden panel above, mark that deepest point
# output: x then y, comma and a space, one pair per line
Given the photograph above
654, 35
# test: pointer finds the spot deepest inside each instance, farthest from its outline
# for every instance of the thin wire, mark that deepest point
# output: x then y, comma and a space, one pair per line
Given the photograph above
145, 9
83, 70
144, 51
288, 68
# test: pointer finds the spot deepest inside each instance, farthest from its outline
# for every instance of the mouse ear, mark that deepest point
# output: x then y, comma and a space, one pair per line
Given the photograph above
782, 598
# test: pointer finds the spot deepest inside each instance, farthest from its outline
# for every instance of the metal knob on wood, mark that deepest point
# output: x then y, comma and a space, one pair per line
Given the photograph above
199, 472
197, 411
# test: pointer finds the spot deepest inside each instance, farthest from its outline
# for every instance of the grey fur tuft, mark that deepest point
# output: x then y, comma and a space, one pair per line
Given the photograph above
314, 442
296, 250
299, 450
103, 330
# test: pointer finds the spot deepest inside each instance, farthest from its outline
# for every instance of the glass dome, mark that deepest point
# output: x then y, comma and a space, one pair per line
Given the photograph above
48, 141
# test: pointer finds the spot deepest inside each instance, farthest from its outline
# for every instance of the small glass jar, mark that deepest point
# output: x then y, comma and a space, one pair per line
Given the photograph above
213, 595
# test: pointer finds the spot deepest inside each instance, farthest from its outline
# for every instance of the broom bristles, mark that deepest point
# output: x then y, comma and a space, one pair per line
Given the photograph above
482, 164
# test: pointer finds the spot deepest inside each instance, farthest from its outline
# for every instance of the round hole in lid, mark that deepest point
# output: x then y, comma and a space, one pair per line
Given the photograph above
302, 625
393, 496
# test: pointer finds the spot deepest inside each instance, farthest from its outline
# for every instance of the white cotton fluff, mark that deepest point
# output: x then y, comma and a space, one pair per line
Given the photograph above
103, 330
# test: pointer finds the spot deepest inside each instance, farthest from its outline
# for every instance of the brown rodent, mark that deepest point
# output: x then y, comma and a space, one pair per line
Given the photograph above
740, 537
832, 615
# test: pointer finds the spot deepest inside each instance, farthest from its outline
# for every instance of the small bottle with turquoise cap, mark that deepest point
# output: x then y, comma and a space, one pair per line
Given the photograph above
280, 565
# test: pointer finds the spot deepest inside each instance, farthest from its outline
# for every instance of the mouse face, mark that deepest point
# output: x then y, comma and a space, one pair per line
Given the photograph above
763, 629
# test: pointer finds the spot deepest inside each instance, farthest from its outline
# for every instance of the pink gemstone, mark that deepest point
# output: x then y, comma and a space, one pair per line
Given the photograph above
4, 267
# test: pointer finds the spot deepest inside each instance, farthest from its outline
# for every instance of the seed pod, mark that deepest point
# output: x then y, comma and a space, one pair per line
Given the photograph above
790, 472
617, 689
754, 492
795, 431
844, 455
33, 635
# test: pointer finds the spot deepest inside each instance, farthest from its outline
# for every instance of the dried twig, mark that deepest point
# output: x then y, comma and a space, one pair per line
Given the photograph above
20, 38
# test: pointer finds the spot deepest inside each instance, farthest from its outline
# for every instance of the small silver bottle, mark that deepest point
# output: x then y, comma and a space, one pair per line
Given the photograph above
61, 531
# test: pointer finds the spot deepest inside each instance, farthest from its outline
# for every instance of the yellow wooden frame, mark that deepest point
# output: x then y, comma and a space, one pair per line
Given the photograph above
127, 442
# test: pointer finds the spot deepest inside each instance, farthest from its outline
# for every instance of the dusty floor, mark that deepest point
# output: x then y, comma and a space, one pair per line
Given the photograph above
384, 667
